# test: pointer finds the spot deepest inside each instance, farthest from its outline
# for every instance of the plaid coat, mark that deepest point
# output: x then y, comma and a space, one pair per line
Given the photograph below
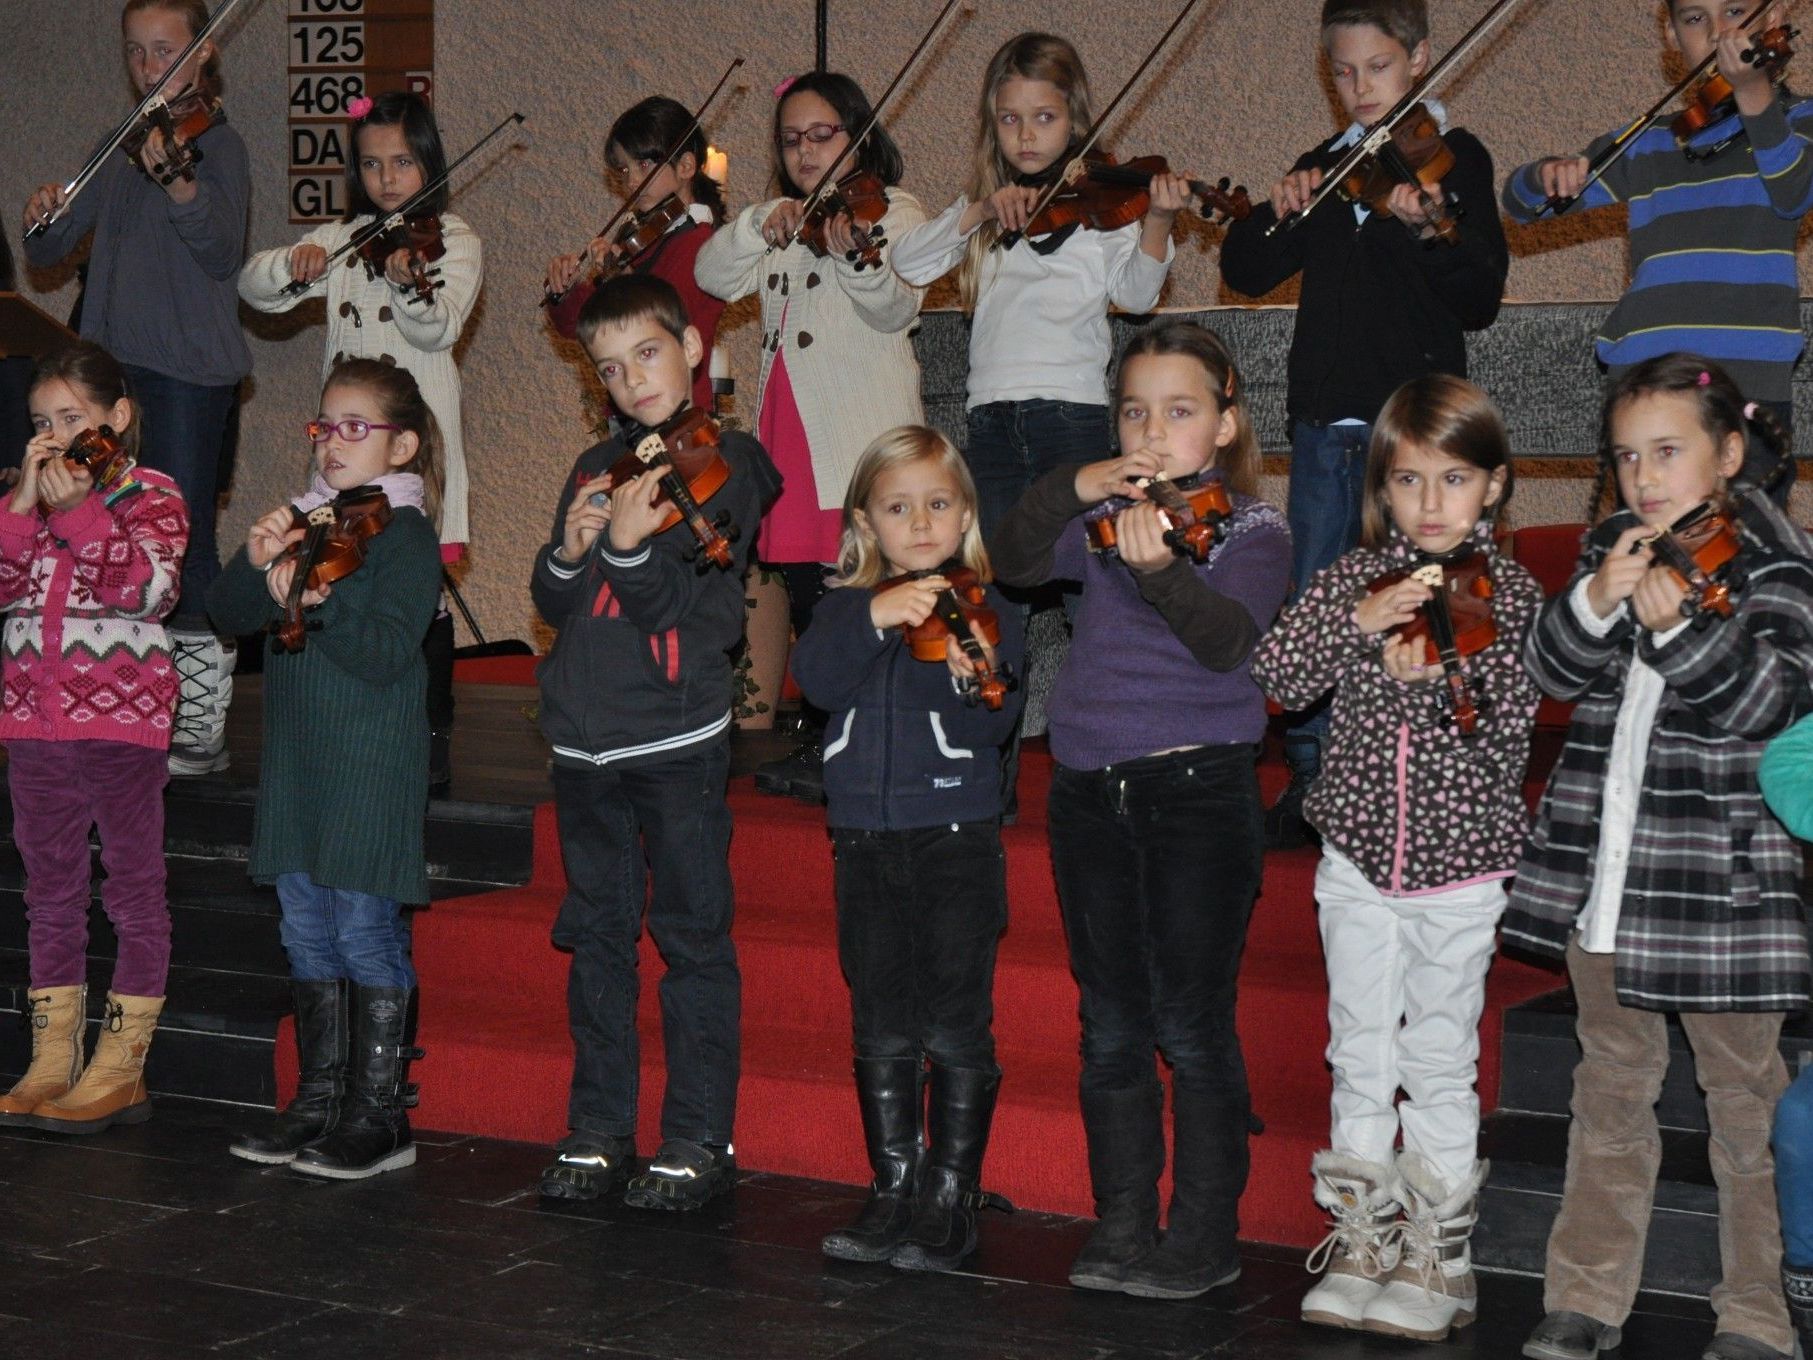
1711, 917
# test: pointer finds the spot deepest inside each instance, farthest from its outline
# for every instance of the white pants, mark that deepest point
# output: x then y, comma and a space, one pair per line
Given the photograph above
1406, 986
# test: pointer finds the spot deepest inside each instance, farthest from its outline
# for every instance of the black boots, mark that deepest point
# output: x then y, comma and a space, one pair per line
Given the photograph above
373, 1133
1285, 828
1797, 1284
891, 1093
1126, 1156
321, 1049
800, 774
1209, 1162
943, 1228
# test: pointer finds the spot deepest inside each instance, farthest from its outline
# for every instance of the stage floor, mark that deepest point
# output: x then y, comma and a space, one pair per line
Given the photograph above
152, 1242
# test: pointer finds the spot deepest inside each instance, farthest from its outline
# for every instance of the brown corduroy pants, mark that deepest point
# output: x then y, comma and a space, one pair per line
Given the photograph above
1595, 1259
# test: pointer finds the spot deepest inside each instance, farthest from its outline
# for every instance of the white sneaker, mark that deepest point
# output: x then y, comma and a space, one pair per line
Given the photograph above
1432, 1290
1361, 1247
204, 669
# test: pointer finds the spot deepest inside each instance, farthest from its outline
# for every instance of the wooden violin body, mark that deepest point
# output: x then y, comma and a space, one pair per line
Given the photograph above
1192, 518
1455, 622
865, 199
639, 234
332, 548
1416, 155
687, 446
421, 237
1698, 548
182, 122
1104, 195
100, 453
965, 603
1715, 100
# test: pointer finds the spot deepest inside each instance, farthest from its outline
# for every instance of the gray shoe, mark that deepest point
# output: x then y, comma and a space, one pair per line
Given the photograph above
1571, 1336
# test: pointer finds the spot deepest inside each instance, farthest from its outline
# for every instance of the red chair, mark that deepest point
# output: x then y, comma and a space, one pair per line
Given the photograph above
1549, 552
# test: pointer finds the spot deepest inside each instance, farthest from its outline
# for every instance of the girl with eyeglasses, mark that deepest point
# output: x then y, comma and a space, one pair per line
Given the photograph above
837, 365
381, 314
344, 775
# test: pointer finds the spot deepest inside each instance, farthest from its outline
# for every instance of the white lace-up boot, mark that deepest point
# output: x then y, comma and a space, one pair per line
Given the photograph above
1361, 1246
204, 669
1432, 1289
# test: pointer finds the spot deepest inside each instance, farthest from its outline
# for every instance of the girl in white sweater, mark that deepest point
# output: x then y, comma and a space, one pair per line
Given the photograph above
382, 314
837, 365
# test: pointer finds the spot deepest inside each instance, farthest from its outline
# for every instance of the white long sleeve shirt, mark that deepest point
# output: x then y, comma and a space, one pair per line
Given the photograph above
1041, 322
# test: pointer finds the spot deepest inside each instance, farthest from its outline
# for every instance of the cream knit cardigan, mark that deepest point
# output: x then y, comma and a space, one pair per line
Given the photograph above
373, 319
846, 335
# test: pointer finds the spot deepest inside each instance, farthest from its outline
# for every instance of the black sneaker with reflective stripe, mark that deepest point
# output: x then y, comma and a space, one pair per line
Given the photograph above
588, 1166
684, 1175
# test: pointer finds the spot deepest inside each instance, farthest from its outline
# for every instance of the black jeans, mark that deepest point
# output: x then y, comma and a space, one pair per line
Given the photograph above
610, 819
918, 916
1158, 863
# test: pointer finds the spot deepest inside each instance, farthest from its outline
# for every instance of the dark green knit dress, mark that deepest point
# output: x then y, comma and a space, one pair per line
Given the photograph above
343, 787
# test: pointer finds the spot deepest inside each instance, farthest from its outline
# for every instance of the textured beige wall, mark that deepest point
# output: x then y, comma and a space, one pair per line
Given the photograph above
1239, 95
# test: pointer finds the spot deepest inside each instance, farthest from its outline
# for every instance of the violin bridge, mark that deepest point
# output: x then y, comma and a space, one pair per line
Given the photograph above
321, 514
1429, 574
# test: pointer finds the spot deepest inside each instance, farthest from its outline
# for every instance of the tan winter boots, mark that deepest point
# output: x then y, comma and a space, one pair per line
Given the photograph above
56, 1016
112, 1089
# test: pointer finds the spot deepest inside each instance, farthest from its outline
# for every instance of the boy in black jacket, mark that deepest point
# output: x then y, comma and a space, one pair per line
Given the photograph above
1382, 302
636, 701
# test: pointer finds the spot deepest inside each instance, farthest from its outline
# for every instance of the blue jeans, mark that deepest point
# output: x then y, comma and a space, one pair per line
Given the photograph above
1014, 443
620, 827
183, 430
1327, 487
1794, 1170
337, 933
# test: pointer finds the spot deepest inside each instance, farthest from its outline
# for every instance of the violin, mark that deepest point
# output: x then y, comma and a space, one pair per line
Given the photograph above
1415, 154
332, 547
1101, 195
421, 237
686, 446
1716, 101
953, 611
865, 199
182, 121
641, 233
1193, 518
99, 453
1697, 548
1454, 622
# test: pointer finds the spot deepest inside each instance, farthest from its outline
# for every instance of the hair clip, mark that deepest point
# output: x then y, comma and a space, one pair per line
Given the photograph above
787, 84
1749, 410
1705, 379
358, 109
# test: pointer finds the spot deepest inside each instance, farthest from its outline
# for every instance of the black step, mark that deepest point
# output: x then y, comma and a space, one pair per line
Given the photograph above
1521, 1198
1540, 1051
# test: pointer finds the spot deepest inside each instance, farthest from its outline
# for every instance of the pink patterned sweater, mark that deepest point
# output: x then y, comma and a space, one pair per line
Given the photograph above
85, 592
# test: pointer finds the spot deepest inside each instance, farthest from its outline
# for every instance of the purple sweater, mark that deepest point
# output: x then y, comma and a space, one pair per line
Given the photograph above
1157, 661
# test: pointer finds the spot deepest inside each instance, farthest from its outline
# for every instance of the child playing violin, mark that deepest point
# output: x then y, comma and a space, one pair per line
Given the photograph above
637, 143
1422, 818
913, 786
1655, 869
1154, 724
1379, 306
344, 776
837, 362
640, 764
1714, 230
90, 557
383, 313
159, 297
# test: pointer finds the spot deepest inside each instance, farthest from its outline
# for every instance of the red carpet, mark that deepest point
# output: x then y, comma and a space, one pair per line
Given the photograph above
494, 1020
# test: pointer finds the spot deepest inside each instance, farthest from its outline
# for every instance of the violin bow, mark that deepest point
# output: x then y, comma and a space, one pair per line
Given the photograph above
153, 97
378, 226
1378, 135
828, 180
1008, 240
698, 118
1557, 204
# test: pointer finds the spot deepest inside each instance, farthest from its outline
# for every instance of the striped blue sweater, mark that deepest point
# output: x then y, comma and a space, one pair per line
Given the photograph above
1711, 245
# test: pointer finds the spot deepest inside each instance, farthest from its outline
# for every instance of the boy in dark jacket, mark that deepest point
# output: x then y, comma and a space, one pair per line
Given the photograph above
1382, 302
636, 702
